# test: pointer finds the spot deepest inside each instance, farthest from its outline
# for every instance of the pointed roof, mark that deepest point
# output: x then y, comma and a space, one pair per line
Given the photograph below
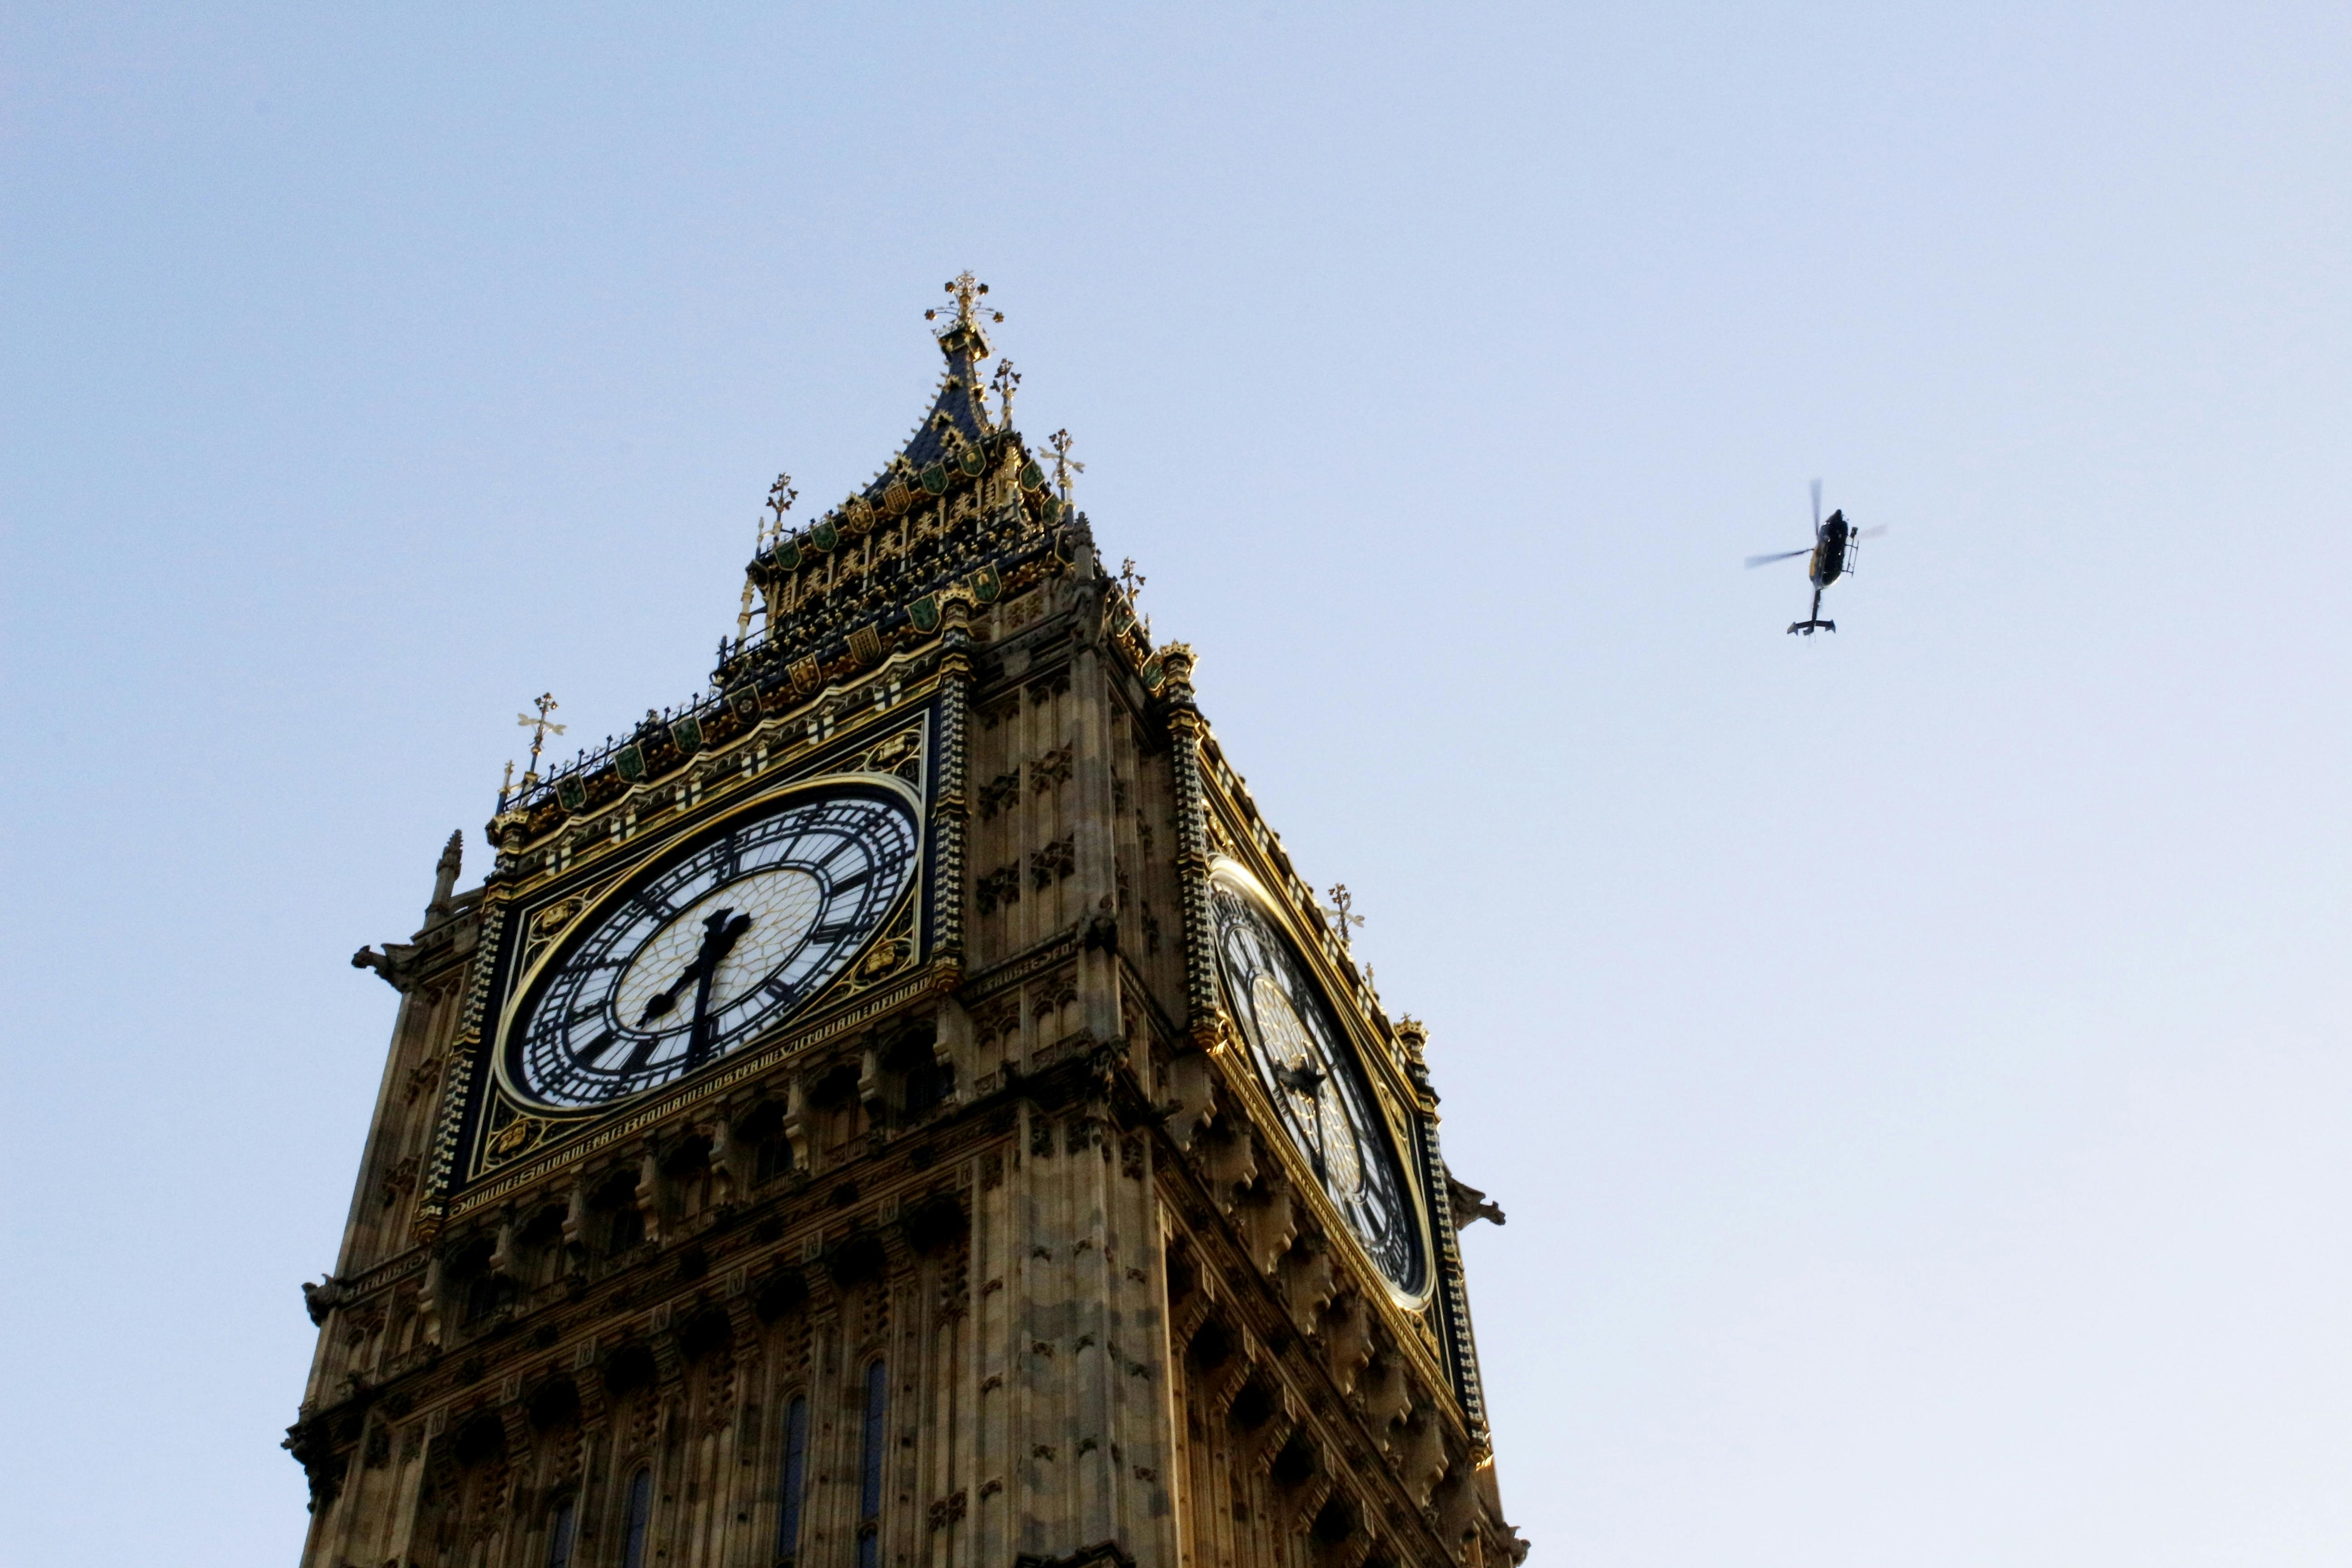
957, 406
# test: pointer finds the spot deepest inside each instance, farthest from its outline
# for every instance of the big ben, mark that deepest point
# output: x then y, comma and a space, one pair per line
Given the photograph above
900, 1107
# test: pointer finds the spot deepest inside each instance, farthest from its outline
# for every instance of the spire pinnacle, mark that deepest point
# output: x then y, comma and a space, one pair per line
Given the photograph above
966, 289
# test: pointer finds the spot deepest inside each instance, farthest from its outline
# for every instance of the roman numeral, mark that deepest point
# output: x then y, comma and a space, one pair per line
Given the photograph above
832, 932
850, 884
596, 1048
638, 1056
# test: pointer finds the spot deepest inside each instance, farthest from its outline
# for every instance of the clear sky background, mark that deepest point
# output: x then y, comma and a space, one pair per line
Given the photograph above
1914, 1061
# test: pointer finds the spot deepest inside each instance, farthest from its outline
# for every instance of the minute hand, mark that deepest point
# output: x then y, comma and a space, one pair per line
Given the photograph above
714, 951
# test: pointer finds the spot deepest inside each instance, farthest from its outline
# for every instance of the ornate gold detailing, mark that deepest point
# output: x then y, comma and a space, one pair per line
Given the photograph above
900, 754
1006, 381
1064, 464
518, 1136
890, 954
540, 728
965, 290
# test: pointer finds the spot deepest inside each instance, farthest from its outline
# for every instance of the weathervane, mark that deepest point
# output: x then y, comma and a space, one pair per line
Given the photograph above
1006, 381
1064, 464
540, 729
966, 289
1345, 901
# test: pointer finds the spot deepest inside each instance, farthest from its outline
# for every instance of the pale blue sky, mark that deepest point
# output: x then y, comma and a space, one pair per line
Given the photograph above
1914, 1061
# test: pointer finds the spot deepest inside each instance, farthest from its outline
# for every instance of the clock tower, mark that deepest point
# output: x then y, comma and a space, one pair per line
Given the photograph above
901, 1109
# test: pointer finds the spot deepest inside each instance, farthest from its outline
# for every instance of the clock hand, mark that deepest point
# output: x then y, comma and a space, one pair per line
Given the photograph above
715, 949
718, 935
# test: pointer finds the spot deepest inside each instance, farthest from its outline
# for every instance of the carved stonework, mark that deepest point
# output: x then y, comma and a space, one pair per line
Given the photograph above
1010, 1206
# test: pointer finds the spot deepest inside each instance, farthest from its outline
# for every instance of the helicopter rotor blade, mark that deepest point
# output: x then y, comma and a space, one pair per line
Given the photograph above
1872, 533
1756, 561
1817, 506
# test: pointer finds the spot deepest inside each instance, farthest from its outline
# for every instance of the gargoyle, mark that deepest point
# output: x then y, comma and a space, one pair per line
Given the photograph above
322, 1298
1470, 1204
386, 964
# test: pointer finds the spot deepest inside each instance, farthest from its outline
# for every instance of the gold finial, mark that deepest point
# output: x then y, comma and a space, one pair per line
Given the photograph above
506, 784
1130, 582
1006, 381
540, 729
1344, 902
1064, 464
780, 495
966, 289
743, 614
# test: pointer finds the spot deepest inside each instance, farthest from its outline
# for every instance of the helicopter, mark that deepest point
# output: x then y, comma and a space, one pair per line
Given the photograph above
1833, 551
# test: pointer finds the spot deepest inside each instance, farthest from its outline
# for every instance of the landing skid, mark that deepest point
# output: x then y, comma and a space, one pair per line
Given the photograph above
1807, 626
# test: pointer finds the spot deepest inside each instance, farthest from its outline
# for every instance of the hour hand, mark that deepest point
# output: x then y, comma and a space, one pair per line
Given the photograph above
662, 1001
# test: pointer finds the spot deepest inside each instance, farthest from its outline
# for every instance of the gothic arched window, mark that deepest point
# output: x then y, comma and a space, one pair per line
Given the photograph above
870, 1445
637, 1519
795, 1479
559, 1535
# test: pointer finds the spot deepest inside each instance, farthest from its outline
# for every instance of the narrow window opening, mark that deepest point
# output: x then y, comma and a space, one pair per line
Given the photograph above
558, 1535
788, 1524
638, 1518
870, 1467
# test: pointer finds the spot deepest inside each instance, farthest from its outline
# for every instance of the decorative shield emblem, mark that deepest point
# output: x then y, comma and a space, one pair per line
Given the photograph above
632, 764
804, 674
788, 555
986, 585
1048, 509
745, 700
1122, 621
974, 461
935, 480
686, 734
571, 794
860, 515
1032, 478
925, 613
1153, 675
824, 536
866, 644
898, 498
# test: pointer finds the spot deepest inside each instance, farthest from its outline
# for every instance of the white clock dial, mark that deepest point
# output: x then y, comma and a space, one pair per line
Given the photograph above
1318, 1087
713, 946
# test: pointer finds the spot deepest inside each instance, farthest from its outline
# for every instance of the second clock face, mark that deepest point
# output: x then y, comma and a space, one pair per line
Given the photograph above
712, 947
1310, 1073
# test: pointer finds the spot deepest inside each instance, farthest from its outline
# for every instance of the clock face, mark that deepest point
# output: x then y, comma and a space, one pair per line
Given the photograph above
711, 947
1310, 1072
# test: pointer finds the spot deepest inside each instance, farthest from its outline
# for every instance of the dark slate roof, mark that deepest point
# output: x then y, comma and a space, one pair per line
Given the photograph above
959, 398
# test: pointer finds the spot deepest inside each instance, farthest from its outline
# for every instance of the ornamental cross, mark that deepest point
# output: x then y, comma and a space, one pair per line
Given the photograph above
1130, 580
540, 728
966, 289
780, 495
1345, 901
1064, 464
1006, 381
